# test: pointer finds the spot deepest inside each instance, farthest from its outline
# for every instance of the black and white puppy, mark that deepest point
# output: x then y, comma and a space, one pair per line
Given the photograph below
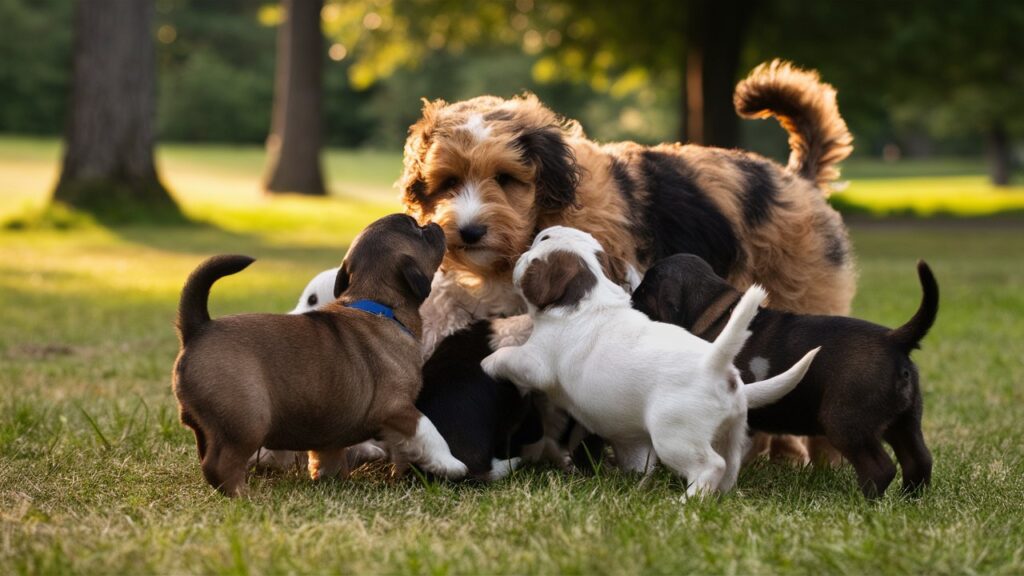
862, 388
486, 422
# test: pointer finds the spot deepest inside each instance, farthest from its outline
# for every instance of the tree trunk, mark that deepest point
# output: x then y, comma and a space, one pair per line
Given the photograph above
295, 134
108, 156
1000, 155
715, 37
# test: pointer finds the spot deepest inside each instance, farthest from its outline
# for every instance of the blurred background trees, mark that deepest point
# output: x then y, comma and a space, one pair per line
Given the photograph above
913, 80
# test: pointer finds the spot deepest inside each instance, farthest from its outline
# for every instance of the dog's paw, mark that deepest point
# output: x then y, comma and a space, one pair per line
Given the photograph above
492, 364
450, 467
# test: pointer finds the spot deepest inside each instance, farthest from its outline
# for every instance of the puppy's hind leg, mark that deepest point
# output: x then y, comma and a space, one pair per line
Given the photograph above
874, 468
915, 459
733, 449
224, 466
414, 436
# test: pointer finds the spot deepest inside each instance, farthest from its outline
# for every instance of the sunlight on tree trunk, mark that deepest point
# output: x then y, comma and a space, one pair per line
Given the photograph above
1000, 155
293, 146
108, 167
715, 39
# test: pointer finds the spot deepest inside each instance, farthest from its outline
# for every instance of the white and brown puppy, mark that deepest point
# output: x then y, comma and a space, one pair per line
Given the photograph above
319, 381
318, 293
652, 390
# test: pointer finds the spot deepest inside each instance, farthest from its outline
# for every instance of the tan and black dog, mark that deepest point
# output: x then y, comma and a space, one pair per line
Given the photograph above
319, 381
862, 388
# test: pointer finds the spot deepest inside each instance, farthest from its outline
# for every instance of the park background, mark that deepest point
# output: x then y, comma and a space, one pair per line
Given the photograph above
138, 137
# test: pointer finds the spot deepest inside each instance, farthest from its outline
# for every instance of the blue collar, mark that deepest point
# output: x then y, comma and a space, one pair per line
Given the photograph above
378, 309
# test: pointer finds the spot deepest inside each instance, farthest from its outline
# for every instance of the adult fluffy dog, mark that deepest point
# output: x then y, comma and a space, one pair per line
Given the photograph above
653, 390
492, 172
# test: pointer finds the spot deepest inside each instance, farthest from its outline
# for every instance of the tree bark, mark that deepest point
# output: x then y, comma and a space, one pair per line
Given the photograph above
1000, 155
295, 137
716, 31
108, 166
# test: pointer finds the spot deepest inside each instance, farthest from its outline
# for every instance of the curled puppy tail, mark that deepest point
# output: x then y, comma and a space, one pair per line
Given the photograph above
771, 390
193, 312
727, 346
909, 336
806, 108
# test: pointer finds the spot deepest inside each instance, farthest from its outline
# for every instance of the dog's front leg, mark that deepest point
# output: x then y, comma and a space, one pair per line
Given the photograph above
520, 364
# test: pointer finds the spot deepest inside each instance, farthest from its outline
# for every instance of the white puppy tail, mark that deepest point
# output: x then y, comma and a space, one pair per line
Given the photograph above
727, 346
771, 390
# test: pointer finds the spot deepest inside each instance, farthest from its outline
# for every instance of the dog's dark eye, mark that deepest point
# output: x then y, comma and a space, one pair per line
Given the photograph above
312, 300
543, 238
503, 179
448, 184
905, 374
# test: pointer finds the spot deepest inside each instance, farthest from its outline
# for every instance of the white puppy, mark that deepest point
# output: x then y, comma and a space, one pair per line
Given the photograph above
652, 390
317, 294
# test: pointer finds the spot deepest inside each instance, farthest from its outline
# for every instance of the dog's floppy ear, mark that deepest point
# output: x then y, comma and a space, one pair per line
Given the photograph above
615, 268
412, 182
561, 280
418, 282
558, 174
341, 281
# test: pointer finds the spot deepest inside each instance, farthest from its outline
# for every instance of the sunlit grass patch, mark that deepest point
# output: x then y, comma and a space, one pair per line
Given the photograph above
947, 195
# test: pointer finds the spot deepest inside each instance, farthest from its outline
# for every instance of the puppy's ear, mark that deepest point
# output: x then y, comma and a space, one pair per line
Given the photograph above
561, 280
558, 174
341, 281
615, 268
412, 182
418, 282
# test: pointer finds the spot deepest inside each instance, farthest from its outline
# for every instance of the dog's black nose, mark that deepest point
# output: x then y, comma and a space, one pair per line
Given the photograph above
473, 233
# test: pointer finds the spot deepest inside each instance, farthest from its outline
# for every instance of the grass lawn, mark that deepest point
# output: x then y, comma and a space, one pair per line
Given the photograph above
97, 476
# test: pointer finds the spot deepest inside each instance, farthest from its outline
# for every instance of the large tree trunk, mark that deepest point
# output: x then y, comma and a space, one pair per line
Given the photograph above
108, 156
1000, 155
294, 142
715, 37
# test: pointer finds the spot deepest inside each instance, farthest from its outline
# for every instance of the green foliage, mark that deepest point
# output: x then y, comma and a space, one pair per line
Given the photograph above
35, 57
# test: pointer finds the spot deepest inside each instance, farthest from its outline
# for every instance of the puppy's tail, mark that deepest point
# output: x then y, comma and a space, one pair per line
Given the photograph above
727, 346
909, 336
806, 108
192, 308
771, 390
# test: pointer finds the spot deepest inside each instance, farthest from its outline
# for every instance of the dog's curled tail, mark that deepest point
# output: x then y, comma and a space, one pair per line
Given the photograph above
193, 312
771, 390
909, 336
806, 108
727, 346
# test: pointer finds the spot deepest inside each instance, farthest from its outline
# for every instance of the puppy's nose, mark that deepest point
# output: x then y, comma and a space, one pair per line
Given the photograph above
473, 233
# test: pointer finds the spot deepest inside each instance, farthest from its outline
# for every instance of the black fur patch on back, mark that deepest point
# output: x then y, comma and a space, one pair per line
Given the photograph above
623, 179
760, 195
679, 217
835, 248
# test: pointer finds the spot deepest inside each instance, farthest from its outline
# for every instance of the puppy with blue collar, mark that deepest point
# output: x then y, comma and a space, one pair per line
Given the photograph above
320, 381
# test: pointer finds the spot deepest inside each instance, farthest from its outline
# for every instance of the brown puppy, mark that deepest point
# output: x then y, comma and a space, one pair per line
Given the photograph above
862, 388
319, 381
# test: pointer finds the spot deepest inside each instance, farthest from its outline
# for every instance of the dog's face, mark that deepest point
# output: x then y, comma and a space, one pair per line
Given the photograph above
319, 292
562, 268
394, 257
680, 289
485, 170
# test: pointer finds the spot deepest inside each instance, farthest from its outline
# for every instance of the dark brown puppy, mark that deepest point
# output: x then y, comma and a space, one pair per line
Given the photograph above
862, 387
319, 381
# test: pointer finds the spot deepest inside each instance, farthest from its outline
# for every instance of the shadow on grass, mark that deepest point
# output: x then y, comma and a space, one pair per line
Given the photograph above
171, 233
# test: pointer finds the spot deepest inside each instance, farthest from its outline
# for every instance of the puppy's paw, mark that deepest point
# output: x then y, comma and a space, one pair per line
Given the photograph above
493, 365
450, 467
